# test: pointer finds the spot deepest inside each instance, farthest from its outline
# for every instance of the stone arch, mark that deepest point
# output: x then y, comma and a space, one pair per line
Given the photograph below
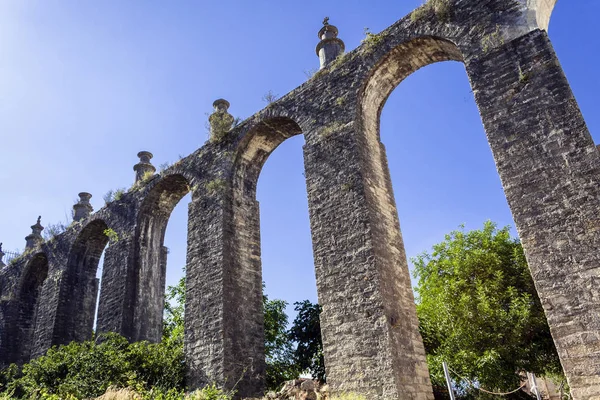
260, 141
150, 258
242, 278
520, 130
396, 66
22, 334
75, 316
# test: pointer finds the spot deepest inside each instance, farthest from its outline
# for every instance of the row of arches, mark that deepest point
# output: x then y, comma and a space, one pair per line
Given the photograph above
362, 240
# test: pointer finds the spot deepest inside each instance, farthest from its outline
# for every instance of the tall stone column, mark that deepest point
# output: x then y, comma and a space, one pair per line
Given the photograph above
550, 171
371, 340
48, 321
224, 337
117, 292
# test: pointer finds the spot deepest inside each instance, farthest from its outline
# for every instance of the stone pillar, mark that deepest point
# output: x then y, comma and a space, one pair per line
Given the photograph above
144, 167
550, 171
220, 121
83, 208
224, 337
117, 291
49, 321
369, 325
330, 47
35, 238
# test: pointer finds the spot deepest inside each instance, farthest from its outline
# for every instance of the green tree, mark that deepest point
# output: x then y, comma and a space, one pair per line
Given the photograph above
173, 322
306, 333
278, 346
479, 311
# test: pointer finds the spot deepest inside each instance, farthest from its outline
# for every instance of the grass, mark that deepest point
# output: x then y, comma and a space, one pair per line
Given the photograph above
372, 40
348, 396
441, 8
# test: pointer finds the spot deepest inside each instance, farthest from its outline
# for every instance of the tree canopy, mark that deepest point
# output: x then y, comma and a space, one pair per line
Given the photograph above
479, 311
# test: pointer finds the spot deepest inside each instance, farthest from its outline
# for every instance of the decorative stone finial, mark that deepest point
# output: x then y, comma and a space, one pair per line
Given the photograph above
330, 47
220, 120
35, 237
83, 208
144, 167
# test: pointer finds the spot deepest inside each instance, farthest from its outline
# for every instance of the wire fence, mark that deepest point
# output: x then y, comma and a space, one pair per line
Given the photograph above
9, 256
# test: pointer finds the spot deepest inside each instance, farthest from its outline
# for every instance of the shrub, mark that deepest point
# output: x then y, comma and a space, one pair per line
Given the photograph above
147, 176
441, 8
52, 230
371, 40
270, 97
212, 392
88, 369
113, 195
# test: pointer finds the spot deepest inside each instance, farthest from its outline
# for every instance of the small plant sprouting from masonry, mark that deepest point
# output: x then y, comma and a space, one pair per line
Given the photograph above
113, 237
216, 186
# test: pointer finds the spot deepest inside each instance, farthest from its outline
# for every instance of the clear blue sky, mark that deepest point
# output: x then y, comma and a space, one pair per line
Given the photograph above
85, 85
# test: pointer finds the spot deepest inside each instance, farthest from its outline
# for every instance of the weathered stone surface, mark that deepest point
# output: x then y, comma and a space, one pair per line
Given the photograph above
549, 166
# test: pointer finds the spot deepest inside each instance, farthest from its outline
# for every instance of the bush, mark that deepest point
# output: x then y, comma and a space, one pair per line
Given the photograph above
88, 369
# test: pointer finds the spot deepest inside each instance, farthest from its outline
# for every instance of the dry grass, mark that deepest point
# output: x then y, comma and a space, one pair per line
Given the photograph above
348, 396
119, 394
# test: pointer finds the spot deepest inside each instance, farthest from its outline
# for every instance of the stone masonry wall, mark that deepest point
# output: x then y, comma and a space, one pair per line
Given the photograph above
546, 159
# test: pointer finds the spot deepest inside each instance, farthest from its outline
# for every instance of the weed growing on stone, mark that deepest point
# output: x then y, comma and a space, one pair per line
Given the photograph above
339, 61
219, 126
270, 97
113, 195
492, 40
371, 40
340, 100
163, 167
216, 186
119, 194
523, 76
147, 176
310, 72
20, 257
441, 8
52, 230
112, 236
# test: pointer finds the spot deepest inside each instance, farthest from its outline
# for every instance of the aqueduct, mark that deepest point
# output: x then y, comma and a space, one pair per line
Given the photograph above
546, 159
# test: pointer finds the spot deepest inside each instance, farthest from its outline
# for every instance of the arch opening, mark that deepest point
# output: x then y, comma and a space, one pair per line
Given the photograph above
264, 138
150, 271
392, 70
77, 316
246, 250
